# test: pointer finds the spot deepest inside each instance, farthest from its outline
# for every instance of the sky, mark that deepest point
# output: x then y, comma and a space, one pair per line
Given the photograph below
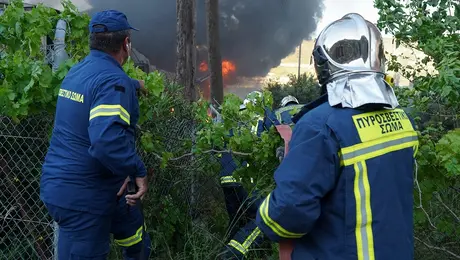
335, 9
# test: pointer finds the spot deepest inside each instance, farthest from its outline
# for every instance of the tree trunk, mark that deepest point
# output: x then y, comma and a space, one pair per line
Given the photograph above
215, 59
185, 44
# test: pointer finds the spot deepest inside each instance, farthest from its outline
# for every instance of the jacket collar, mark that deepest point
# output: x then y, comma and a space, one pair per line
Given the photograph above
100, 54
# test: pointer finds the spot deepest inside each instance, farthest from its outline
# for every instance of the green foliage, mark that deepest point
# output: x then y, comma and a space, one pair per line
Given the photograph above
448, 152
305, 88
28, 84
236, 133
431, 27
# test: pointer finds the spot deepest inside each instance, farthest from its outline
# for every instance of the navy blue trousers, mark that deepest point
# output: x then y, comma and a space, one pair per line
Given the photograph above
84, 236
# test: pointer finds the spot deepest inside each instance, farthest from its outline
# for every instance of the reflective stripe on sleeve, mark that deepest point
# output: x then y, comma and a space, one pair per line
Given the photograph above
227, 179
275, 227
110, 110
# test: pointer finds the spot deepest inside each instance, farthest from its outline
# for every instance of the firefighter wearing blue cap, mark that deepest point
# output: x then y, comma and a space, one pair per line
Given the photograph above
92, 152
345, 188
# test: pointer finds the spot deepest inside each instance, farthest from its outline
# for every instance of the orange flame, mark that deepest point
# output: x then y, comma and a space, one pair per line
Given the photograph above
227, 67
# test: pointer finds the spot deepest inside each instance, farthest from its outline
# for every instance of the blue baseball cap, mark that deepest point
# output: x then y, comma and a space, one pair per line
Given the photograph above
109, 21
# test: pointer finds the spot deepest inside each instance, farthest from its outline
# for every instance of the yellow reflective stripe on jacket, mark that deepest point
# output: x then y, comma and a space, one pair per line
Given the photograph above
235, 244
275, 227
110, 110
371, 149
227, 179
132, 240
254, 129
363, 232
244, 248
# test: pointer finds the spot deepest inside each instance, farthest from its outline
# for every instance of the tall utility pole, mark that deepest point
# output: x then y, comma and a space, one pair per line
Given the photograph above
300, 60
214, 56
185, 44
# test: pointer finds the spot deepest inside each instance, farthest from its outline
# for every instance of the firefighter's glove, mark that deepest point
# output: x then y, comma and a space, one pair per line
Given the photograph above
280, 153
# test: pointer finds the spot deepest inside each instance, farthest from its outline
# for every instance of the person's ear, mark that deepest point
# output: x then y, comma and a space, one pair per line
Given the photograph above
126, 44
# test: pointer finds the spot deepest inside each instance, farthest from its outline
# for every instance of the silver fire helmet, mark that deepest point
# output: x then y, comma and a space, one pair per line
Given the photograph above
251, 97
347, 46
288, 99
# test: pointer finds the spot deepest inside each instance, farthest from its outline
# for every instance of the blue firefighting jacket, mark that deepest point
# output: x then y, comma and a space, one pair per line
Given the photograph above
92, 148
344, 190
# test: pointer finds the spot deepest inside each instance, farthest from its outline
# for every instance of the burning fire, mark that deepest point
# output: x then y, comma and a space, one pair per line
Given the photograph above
227, 67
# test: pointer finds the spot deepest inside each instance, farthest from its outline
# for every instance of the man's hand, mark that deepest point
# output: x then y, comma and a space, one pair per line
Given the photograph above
142, 89
123, 187
142, 186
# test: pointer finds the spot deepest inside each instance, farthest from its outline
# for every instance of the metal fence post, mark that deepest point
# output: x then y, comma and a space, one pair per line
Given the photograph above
55, 240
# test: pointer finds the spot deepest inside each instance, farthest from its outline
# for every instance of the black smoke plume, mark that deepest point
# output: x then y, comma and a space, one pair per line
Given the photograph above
255, 34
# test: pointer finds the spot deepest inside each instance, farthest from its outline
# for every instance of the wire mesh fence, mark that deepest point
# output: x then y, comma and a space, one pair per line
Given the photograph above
183, 207
26, 231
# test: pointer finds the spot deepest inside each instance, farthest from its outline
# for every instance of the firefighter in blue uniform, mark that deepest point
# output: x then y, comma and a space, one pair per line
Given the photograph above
344, 190
239, 204
248, 236
92, 151
289, 105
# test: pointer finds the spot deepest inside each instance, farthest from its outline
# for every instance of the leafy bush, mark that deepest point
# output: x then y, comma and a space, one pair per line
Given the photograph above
431, 27
305, 88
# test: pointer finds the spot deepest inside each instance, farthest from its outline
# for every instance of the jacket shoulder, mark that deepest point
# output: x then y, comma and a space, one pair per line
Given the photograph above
317, 116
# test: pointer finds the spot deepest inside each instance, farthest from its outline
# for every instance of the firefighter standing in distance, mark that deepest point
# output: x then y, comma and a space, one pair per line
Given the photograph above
289, 106
248, 236
92, 150
344, 190
238, 203
283, 114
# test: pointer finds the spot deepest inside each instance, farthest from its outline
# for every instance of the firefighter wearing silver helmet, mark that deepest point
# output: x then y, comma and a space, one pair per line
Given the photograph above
288, 106
350, 64
344, 189
251, 98
288, 100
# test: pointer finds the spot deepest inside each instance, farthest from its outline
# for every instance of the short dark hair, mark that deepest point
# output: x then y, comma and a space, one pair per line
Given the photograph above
109, 42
